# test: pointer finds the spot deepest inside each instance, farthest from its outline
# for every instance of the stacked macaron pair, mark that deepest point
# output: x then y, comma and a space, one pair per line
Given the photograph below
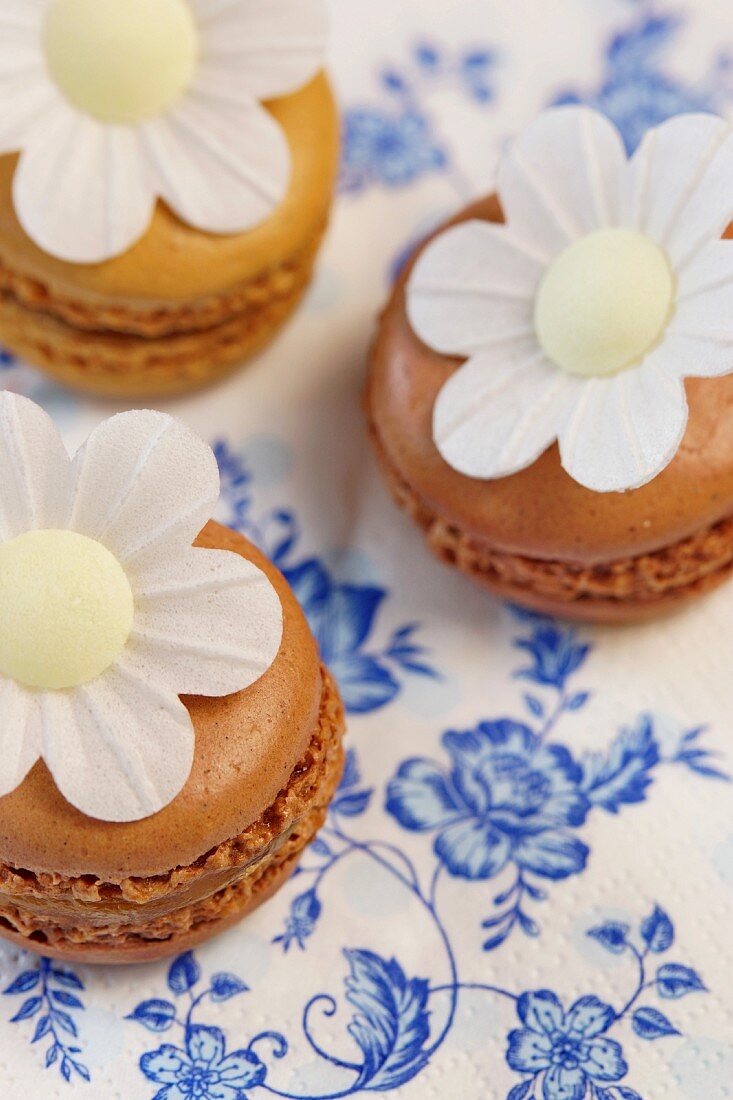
170, 738
551, 391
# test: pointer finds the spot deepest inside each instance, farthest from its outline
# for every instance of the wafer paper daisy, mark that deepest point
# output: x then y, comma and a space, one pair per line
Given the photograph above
108, 613
113, 105
581, 316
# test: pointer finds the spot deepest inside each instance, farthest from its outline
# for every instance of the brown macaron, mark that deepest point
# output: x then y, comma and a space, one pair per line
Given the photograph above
181, 307
537, 537
267, 762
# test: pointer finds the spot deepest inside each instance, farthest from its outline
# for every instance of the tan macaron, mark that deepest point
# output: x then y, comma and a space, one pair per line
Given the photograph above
537, 537
267, 762
181, 307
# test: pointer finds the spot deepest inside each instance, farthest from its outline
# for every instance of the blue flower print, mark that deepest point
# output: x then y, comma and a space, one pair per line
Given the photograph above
569, 1050
342, 617
635, 91
301, 922
387, 148
507, 798
555, 650
202, 1070
395, 144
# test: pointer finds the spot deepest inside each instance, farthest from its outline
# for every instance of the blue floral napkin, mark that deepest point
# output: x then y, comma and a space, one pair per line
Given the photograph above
525, 884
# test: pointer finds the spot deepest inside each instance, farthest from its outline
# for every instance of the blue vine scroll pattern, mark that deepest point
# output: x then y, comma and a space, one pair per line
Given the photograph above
51, 997
568, 1054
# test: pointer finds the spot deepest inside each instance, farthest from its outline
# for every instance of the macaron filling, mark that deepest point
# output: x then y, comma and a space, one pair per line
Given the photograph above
66, 609
121, 62
604, 302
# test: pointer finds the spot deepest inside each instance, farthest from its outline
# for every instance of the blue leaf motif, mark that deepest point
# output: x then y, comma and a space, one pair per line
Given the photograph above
23, 983
155, 1015
612, 935
575, 702
42, 1028
534, 706
650, 1023
675, 981
66, 978
27, 1009
519, 1092
61, 997
622, 776
351, 805
66, 1023
657, 931
225, 986
183, 974
391, 1023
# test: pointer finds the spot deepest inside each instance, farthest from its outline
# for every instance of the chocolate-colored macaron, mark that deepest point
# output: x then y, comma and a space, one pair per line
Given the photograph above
267, 761
538, 537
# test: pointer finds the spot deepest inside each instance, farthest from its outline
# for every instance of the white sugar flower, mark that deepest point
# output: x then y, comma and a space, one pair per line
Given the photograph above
115, 104
581, 316
107, 612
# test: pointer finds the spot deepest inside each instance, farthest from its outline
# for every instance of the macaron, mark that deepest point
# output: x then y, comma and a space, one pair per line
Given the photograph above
267, 762
181, 307
538, 537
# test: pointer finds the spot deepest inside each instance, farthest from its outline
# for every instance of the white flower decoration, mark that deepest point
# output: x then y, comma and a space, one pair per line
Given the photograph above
113, 105
581, 316
107, 612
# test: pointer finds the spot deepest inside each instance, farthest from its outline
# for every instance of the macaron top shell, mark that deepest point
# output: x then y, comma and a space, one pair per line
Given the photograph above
541, 511
247, 746
174, 262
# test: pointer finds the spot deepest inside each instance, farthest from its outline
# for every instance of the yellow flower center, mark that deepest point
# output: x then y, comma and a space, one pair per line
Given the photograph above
604, 302
66, 609
121, 61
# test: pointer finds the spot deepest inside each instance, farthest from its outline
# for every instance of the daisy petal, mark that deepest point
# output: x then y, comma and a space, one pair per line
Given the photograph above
697, 341
222, 165
103, 199
118, 749
208, 623
473, 285
562, 178
624, 430
682, 201
25, 89
20, 734
260, 50
499, 412
36, 469
143, 483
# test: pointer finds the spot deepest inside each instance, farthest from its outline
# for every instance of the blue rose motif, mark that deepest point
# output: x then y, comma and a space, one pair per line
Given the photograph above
569, 1051
507, 798
387, 148
203, 1070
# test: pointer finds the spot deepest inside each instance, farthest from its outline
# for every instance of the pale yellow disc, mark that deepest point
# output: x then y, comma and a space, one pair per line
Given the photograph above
66, 609
604, 302
121, 61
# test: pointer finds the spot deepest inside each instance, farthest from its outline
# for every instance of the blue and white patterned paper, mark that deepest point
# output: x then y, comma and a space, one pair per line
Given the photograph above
525, 884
